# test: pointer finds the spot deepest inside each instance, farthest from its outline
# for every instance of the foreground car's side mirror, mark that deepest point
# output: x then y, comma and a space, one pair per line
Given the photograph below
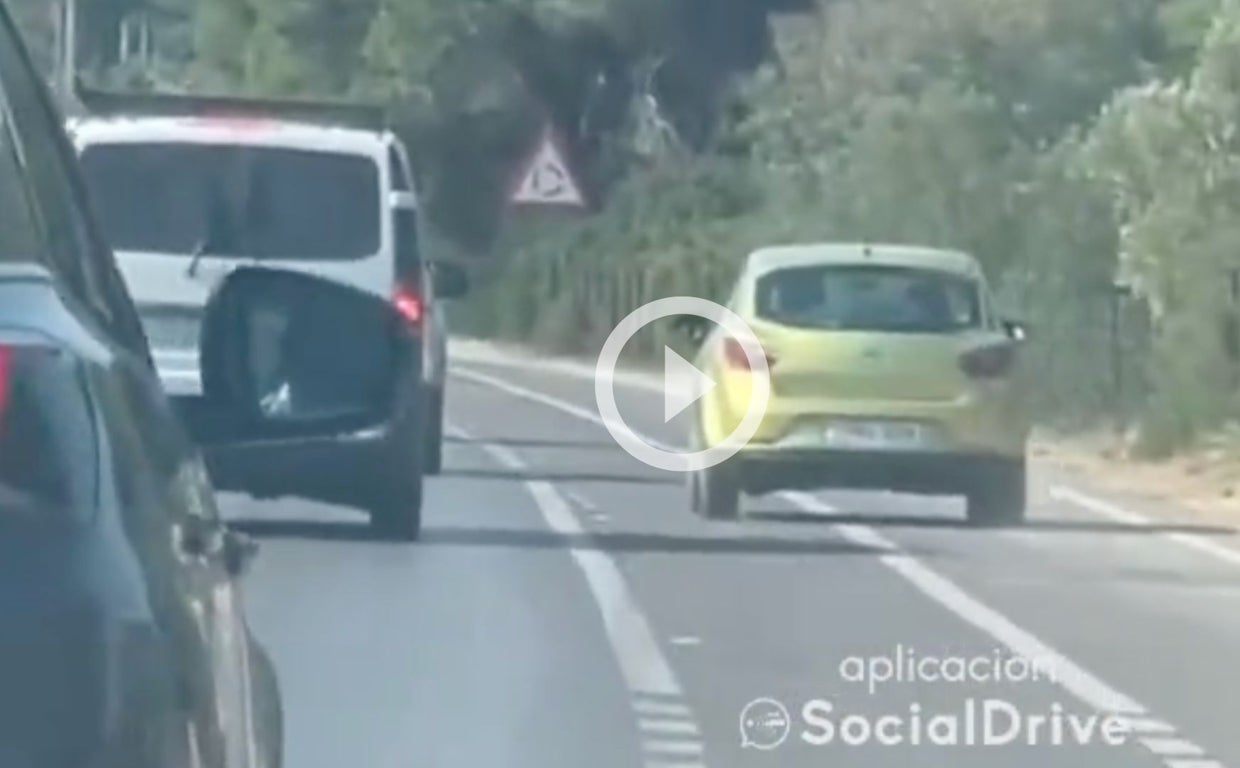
286, 354
451, 280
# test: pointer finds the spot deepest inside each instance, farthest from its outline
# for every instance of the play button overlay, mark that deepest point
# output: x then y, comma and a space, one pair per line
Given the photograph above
684, 384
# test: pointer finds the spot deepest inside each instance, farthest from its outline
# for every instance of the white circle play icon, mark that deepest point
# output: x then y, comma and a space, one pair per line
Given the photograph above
683, 383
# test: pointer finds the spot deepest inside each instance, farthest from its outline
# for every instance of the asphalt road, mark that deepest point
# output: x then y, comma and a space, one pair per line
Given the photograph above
565, 609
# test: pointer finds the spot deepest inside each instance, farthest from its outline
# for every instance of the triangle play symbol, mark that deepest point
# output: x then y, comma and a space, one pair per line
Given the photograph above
683, 384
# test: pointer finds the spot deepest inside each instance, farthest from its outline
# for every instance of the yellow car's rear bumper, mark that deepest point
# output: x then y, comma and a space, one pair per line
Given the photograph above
763, 470
980, 423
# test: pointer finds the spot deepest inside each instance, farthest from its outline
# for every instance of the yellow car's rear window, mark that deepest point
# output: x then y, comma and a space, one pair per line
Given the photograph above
869, 298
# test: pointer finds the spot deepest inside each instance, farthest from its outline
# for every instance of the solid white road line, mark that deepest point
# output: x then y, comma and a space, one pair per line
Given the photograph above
1119, 514
1071, 676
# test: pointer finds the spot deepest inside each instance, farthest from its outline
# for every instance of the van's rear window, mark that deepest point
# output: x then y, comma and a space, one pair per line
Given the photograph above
869, 298
229, 200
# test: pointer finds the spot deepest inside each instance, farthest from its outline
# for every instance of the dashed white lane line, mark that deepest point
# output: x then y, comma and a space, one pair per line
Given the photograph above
666, 748
638, 653
1072, 677
666, 726
1119, 514
665, 722
654, 707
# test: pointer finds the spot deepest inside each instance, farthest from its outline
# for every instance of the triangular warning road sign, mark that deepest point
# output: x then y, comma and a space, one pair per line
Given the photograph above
546, 179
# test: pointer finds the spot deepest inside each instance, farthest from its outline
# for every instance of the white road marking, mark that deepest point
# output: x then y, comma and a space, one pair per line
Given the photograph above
685, 640
1072, 677
1141, 725
1120, 514
1172, 747
649, 677
668, 727
641, 661
1193, 762
655, 707
668, 747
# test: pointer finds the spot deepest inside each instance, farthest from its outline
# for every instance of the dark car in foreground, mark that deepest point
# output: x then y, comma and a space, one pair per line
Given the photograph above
123, 637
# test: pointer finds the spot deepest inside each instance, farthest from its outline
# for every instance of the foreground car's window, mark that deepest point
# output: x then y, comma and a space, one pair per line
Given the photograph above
865, 298
18, 238
48, 460
181, 199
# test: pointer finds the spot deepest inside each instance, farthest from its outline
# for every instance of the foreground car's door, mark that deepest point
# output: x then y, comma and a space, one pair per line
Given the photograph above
123, 644
205, 561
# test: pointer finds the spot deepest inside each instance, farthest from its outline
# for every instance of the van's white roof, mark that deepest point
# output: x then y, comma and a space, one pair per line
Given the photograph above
227, 130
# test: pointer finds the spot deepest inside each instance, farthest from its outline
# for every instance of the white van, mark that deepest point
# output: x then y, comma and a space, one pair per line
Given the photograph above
185, 199
187, 188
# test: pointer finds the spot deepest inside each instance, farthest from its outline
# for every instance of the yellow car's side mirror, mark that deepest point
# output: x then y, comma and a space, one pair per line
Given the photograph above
693, 327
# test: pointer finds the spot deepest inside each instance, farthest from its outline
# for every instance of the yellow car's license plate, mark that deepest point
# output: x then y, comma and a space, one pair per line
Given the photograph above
875, 435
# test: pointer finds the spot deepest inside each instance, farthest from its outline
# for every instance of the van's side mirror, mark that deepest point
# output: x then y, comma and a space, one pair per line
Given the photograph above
286, 354
450, 280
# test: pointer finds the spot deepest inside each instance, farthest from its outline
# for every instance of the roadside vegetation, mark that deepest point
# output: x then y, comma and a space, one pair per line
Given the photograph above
1086, 152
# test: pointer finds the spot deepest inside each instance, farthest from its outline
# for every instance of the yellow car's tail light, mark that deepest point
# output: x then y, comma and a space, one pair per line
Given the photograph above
734, 356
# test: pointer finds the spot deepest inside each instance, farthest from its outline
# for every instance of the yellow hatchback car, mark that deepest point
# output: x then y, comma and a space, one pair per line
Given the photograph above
888, 370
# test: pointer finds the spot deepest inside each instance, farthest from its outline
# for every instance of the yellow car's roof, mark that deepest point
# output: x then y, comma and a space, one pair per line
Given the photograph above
778, 257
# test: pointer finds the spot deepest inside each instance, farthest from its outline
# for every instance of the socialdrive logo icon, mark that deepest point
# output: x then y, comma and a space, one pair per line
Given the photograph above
765, 724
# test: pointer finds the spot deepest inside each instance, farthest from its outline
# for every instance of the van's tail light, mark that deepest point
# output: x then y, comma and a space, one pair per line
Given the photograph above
989, 362
408, 302
735, 358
